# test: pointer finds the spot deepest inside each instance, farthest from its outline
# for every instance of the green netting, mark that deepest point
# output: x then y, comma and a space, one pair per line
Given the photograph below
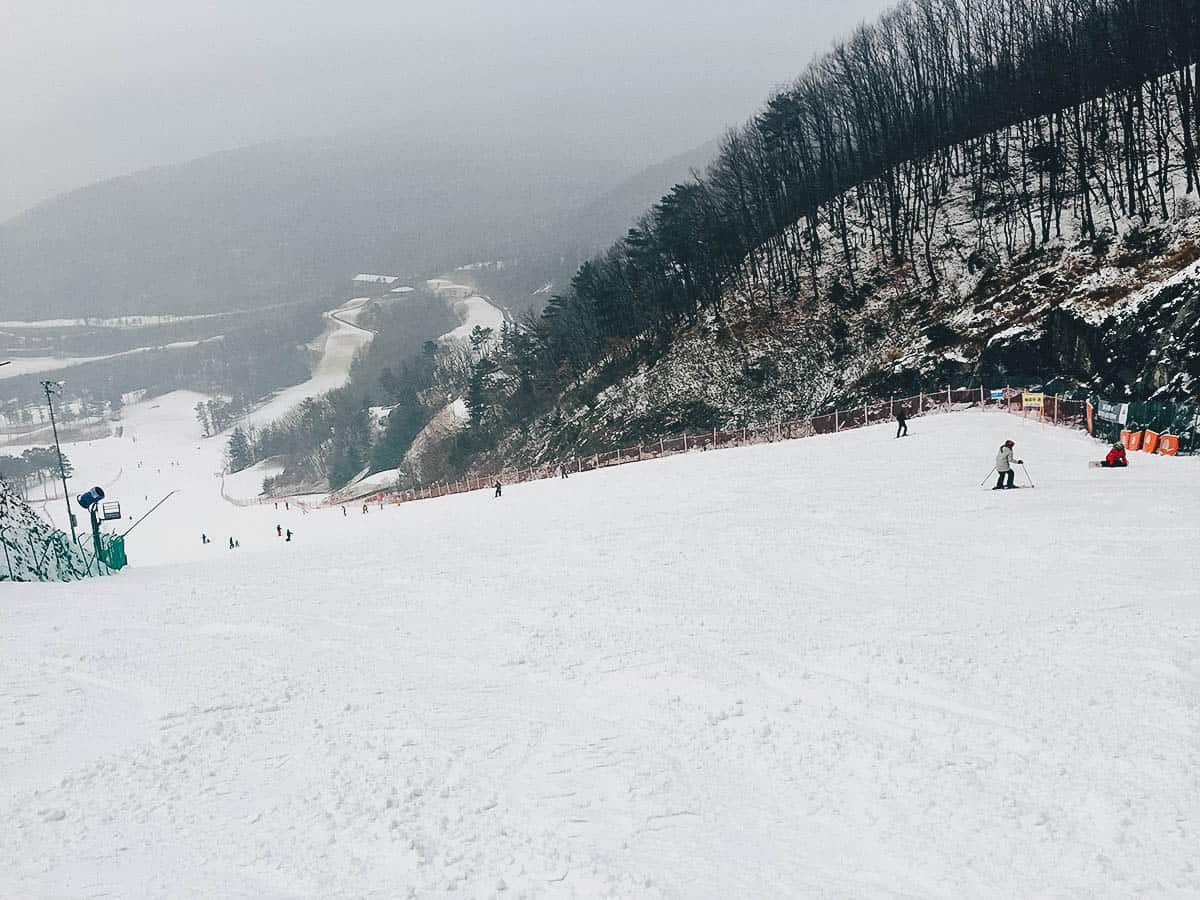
1163, 416
112, 548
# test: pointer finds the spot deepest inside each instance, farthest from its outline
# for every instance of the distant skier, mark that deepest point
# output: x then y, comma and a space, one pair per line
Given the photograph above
231, 543
204, 539
499, 486
1116, 458
289, 536
901, 423
278, 531
237, 545
562, 470
1004, 467
344, 513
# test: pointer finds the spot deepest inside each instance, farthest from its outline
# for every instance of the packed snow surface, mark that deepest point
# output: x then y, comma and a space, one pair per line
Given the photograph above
342, 338
830, 667
34, 365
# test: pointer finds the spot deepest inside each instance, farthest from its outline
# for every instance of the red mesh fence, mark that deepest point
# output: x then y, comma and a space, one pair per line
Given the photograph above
1072, 413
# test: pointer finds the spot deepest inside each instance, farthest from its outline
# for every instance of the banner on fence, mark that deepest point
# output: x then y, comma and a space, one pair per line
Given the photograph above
1033, 401
1113, 412
998, 395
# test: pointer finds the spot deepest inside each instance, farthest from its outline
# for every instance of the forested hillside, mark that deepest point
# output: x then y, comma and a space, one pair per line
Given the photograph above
963, 190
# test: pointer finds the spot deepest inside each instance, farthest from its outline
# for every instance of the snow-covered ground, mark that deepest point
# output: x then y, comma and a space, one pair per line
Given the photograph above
119, 322
831, 667
474, 310
33, 365
159, 452
342, 338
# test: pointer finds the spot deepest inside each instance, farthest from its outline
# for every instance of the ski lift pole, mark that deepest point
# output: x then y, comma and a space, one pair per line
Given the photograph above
147, 515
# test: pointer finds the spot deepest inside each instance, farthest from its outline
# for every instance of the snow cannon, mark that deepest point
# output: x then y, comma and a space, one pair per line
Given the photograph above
88, 499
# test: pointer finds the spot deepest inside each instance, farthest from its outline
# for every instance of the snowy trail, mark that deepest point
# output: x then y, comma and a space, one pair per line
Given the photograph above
36, 365
475, 310
829, 667
343, 337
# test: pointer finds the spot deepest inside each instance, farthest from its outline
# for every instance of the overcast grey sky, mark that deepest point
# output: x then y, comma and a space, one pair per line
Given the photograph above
95, 88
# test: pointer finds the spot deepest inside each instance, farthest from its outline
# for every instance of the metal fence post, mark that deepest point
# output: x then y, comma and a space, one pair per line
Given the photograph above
837, 421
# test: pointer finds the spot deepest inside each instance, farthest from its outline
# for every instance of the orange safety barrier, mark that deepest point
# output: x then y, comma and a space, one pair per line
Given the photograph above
1168, 444
1150, 444
1132, 440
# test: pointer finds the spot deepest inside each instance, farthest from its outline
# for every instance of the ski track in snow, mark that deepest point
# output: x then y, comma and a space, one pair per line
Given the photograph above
830, 667
342, 338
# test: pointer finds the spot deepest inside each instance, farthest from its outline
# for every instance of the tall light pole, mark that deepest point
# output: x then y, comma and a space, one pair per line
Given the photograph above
51, 388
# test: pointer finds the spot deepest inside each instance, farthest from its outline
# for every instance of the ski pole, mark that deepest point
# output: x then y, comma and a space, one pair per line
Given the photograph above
1027, 478
986, 477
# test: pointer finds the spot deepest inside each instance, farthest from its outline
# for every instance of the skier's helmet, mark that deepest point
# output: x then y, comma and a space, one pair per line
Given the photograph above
1118, 446
1008, 444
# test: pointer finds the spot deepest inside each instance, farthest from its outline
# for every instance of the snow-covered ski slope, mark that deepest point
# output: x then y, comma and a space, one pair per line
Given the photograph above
831, 667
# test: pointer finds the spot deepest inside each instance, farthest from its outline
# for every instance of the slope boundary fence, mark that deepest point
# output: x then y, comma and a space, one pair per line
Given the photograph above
1047, 408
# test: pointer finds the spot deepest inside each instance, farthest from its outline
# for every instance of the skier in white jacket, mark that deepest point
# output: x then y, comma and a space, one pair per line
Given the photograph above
1004, 467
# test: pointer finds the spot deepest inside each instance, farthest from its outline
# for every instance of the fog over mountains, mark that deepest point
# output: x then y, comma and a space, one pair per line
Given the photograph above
292, 220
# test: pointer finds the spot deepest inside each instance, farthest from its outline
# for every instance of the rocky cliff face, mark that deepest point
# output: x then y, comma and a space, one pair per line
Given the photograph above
1121, 320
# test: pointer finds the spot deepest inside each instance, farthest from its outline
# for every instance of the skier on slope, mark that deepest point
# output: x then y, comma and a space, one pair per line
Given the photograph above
1004, 467
499, 486
901, 423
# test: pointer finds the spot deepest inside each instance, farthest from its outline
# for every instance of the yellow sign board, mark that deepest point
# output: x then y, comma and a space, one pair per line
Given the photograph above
1033, 401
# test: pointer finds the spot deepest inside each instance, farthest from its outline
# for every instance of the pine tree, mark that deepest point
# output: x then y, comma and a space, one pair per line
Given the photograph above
202, 418
239, 452
480, 396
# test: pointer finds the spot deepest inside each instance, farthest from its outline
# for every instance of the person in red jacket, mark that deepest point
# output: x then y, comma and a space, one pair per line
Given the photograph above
1116, 457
